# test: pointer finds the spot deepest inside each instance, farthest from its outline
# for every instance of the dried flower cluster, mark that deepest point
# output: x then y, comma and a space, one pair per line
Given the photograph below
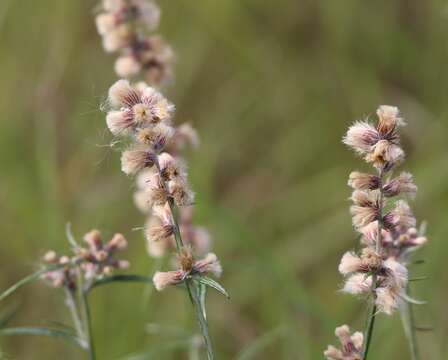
95, 261
123, 25
386, 225
142, 114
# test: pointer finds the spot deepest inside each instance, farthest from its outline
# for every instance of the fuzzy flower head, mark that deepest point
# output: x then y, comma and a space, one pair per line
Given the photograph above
184, 135
137, 107
369, 261
159, 233
98, 258
402, 184
391, 289
362, 181
119, 13
392, 278
365, 208
400, 217
351, 345
151, 57
378, 145
188, 267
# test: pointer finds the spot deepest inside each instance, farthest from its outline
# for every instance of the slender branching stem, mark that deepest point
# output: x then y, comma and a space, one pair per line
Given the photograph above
74, 311
372, 312
192, 294
88, 325
369, 328
86, 316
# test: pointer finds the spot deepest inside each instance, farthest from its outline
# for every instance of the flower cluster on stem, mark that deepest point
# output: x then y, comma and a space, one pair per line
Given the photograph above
124, 27
386, 224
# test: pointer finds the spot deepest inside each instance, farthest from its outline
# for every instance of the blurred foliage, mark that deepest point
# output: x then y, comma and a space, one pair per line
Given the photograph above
271, 87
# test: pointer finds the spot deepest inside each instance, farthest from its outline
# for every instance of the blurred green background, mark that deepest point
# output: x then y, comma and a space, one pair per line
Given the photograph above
271, 86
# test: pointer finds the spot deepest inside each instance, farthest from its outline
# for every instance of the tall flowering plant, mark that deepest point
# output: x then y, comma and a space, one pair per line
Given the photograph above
387, 228
139, 114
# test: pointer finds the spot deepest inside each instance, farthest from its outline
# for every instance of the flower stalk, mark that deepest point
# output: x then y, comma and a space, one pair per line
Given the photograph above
379, 271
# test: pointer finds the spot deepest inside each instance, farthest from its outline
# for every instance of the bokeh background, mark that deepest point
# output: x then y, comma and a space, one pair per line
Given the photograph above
271, 86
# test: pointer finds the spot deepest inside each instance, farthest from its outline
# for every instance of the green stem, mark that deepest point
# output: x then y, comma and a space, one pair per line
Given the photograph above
83, 293
188, 283
369, 329
88, 325
71, 304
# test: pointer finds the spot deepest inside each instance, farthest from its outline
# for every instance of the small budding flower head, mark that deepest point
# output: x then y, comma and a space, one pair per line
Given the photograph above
181, 192
64, 276
350, 263
400, 217
365, 208
162, 280
127, 66
118, 242
118, 38
186, 260
361, 136
157, 137
391, 287
137, 159
389, 119
50, 257
93, 239
158, 230
357, 284
351, 345
362, 181
370, 234
209, 264
119, 123
98, 258
402, 184
122, 94
184, 135
385, 155
411, 238
105, 23
171, 168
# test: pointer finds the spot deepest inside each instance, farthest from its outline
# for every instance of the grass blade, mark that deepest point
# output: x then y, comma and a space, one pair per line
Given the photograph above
43, 332
253, 350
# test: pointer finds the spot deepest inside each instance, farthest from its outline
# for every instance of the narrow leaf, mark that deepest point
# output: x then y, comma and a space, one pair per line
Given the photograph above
43, 332
424, 328
418, 278
202, 293
213, 284
7, 314
28, 279
71, 239
119, 278
412, 301
418, 262
254, 349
